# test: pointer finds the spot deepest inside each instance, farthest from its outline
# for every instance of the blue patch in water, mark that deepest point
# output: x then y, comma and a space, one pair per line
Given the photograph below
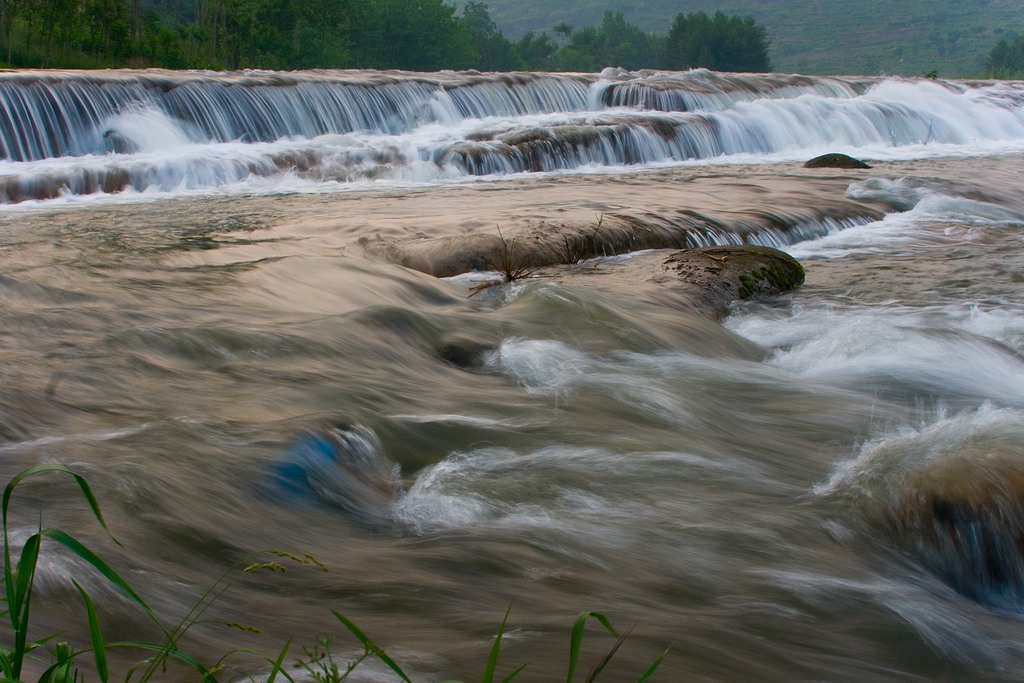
341, 467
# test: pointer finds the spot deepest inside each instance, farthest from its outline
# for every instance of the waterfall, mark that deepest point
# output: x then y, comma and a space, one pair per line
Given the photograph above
69, 114
65, 134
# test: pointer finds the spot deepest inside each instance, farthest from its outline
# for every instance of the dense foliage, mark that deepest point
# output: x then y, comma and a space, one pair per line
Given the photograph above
1006, 60
421, 35
721, 43
614, 42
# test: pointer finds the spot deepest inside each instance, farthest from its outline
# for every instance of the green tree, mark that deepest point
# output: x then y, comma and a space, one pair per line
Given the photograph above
1006, 59
107, 30
8, 13
615, 42
322, 34
209, 23
58, 26
722, 43
563, 29
537, 52
494, 51
626, 45
421, 35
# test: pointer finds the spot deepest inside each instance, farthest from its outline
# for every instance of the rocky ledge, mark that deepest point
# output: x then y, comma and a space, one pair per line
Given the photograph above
703, 279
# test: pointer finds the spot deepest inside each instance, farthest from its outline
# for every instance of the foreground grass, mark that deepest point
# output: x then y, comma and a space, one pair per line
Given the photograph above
58, 658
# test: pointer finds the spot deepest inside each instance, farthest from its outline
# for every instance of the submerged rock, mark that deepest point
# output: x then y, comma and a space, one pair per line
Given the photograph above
116, 143
835, 160
963, 518
467, 354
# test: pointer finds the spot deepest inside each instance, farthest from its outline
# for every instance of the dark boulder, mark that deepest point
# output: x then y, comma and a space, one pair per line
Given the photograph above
965, 523
835, 160
467, 354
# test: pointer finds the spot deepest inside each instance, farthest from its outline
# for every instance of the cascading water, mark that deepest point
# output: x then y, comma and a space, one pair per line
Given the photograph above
79, 134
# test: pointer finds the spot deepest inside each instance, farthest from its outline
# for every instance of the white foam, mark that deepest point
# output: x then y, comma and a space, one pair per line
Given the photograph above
896, 119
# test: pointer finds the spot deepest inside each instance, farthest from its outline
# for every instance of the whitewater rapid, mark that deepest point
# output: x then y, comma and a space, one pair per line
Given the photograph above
82, 136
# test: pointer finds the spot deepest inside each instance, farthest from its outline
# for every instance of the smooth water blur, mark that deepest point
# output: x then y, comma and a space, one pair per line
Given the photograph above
236, 373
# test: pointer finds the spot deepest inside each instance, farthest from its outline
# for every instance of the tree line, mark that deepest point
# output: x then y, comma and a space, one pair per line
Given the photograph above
419, 35
1006, 60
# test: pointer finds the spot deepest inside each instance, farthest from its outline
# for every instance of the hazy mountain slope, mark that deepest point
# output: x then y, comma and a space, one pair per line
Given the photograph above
908, 37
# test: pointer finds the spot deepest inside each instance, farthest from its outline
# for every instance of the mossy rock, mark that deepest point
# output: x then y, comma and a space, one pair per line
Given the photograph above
717, 276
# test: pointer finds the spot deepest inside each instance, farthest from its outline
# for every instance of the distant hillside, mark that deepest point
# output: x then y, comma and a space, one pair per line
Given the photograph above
907, 37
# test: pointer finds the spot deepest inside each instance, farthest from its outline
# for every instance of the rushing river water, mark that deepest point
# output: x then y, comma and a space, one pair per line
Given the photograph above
824, 486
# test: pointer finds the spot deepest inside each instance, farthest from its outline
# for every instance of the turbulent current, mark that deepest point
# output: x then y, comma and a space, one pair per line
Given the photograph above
208, 314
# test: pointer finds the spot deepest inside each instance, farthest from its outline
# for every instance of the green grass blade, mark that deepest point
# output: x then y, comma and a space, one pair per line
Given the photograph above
98, 564
577, 638
48, 676
174, 635
95, 635
164, 650
278, 665
599, 667
82, 484
62, 670
22, 600
492, 659
514, 674
652, 668
23, 580
59, 672
18, 585
370, 645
